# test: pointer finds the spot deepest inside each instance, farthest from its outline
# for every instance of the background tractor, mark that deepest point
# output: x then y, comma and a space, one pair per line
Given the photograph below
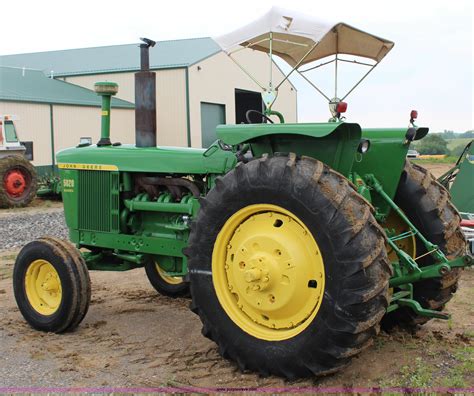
18, 179
297, 241
460, 182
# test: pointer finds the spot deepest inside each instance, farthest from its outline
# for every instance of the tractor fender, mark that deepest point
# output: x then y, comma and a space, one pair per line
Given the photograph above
334, 143
245, 133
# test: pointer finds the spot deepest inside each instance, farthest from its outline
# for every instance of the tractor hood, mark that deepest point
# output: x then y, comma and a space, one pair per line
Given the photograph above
146, 159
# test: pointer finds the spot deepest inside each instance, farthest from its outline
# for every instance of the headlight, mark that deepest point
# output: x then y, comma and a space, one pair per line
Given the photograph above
364, 146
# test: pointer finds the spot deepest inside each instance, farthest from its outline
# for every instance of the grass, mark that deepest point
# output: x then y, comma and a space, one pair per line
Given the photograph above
445, 160
464, 367
419, 375
452, 143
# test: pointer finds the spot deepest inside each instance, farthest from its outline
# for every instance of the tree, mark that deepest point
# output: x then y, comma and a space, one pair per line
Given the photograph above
457, 150
433, 144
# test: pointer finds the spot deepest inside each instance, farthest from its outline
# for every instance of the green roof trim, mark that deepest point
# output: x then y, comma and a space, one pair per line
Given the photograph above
27, 85
170, 54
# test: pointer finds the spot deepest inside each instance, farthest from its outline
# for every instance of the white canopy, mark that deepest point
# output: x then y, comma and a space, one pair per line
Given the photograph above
295, 34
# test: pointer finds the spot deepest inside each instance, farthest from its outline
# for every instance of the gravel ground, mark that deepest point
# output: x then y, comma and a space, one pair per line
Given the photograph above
20, 228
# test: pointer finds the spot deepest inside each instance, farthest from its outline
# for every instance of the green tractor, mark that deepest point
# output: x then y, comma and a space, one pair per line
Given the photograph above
296, 241
460, 181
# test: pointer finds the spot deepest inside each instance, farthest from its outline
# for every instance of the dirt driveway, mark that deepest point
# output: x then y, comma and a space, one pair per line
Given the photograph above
133, 337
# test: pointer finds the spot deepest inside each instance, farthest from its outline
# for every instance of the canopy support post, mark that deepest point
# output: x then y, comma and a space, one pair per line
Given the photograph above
270, 84
313, 85
297, 65
247, 73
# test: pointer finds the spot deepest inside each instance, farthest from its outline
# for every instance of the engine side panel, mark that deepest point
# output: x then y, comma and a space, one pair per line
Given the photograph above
385, 160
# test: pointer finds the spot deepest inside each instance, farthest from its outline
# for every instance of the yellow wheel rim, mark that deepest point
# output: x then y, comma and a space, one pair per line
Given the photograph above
396, 226
172, 280
43, 287
268, 272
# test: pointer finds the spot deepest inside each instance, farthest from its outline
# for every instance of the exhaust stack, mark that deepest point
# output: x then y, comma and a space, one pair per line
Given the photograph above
145, 99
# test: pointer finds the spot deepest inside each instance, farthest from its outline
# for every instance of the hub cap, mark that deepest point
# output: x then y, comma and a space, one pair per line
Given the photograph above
43, 287
394, 226
268, 272
14, 183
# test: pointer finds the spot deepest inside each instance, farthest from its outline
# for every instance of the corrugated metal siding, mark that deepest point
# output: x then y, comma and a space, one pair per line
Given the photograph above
218, 78
115, 58
33, 125
71, 123
33, 86
170, 101
124, 80
171, 107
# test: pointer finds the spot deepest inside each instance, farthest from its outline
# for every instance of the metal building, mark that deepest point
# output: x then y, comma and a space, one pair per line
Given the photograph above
197, 85
52, 114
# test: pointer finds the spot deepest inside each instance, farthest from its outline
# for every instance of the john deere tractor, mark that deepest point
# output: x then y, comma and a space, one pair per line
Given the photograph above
297, 241
18, 179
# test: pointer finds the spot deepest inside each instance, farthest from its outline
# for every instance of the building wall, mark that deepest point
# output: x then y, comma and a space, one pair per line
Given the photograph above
171, 109
215, 82
73, 122
215, 79
124, 80
33, 124
69, 122
171, 118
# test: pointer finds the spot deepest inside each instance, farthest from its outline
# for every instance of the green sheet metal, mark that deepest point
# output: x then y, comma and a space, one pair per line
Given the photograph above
128, 158
236, 134
385, 160
462, 190
335, 144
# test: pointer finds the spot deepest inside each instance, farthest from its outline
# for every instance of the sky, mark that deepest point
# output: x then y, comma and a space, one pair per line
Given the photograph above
430, 68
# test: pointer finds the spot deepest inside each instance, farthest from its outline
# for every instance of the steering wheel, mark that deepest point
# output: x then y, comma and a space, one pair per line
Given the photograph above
249, 121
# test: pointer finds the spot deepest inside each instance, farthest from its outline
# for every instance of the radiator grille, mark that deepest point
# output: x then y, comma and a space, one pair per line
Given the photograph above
99, 201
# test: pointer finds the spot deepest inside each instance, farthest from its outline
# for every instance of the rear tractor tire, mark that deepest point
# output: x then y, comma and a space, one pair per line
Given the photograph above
171, 286
427, 204
18, 182
288, 268
51, 285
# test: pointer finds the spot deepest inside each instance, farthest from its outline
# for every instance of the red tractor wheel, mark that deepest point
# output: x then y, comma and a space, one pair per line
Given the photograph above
18, 182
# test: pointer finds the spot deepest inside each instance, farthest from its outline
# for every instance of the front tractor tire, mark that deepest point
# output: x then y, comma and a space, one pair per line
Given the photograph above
427, 204
288, 268
171, 286
51, 285
18, 182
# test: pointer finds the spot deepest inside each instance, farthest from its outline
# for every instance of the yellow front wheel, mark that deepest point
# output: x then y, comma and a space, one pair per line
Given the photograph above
167, 285
51, 285
43, 287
